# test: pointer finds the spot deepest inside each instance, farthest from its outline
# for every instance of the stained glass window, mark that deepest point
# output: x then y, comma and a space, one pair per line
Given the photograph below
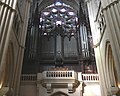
59, 14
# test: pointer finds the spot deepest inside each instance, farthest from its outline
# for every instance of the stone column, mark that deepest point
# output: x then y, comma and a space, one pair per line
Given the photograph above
8, 10
95, 32
21, 47
111, 11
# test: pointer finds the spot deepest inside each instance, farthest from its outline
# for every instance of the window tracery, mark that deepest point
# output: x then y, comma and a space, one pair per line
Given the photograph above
58, 14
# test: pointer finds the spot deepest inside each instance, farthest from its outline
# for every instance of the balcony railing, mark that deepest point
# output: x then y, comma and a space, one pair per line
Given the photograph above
28, 77
54, 79
63, 79
90, 77
61, 75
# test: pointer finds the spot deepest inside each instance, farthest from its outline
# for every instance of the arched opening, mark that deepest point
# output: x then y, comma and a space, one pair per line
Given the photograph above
110, 64
113, 73
59, 94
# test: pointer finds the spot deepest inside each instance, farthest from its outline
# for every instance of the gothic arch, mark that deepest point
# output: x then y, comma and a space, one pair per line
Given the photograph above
110, 66
59, 94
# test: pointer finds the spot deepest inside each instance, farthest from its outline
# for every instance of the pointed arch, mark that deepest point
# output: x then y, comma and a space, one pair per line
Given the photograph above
110, 66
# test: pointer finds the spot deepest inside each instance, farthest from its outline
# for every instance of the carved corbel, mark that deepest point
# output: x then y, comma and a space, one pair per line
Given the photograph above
49, 88
70, 88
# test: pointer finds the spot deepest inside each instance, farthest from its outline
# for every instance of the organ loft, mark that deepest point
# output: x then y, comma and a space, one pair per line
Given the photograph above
59, 47
59, 35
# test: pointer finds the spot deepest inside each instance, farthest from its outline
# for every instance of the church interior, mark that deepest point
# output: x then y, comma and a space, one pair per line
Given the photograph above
59, 47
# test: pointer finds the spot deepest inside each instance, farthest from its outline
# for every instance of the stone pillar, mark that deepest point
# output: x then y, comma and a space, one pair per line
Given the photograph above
6, 18
21, 47
92, 10
111, 12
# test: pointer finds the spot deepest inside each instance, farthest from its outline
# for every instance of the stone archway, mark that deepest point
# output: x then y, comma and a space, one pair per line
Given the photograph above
110, 67
59, 94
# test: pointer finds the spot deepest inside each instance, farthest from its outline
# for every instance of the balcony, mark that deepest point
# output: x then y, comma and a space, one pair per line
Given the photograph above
59, 75
60, 79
